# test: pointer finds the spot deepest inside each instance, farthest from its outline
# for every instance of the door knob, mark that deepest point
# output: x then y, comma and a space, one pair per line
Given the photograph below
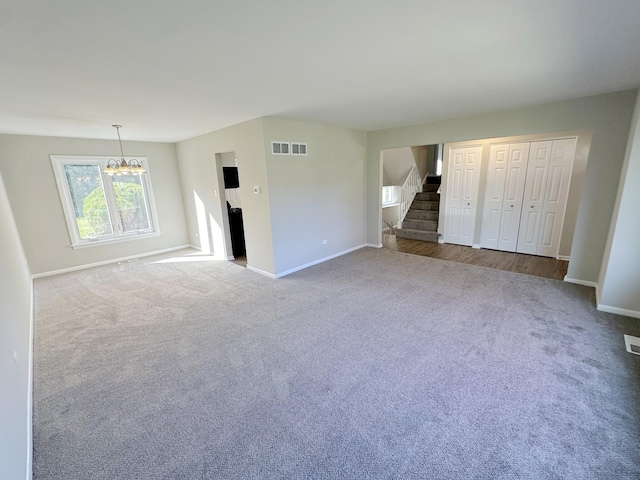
511, 206
531, 206
468, 203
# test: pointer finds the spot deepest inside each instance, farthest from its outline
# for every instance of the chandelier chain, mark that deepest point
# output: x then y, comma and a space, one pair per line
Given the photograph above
120, 140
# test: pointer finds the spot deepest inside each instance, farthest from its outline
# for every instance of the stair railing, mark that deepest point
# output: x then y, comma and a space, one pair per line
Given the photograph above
387, 228
411, 186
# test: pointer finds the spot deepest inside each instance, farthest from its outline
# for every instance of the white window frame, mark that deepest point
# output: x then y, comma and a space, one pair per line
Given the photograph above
280, 144
118, 235
299, 144
390, 195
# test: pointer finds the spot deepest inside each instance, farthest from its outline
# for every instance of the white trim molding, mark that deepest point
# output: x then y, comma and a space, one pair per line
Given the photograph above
321, 260
564, 258
261, 272
310, 264
373, 245
618, 311
586, 283
30, 388
577, 281
107, 262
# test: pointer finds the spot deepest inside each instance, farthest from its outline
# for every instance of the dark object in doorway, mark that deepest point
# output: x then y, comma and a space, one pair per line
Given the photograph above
230, 177
236, 227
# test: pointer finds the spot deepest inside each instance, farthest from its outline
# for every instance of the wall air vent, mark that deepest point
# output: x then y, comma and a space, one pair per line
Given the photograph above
298, 148
280, 148
632, 344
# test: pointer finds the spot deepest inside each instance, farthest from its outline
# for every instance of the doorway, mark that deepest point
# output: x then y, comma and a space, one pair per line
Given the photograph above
405, 171
231, 205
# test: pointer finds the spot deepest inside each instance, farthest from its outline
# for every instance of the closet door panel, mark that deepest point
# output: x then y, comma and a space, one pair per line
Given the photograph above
466, 226
453, 227
510, 225
494, 195
555, 198
454, 194
513, 195
546, 230
462, 194
534, 195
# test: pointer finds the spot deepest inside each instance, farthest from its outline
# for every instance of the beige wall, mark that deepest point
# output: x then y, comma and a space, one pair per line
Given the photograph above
35, 202
577, 180
425, 156
320, 196
15, 339
619, 282
397, 163
607, 116
202, 185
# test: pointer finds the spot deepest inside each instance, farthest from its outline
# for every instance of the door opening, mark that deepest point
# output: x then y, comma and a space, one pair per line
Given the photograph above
233, 208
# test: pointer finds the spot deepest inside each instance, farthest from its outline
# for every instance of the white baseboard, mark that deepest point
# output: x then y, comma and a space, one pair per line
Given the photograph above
603, 308
261, 272
586, 283
30, 390
475, 245
564, 258
577, 281
618, 311
321, 260
373, 245
606, 308
107, 262
440, 240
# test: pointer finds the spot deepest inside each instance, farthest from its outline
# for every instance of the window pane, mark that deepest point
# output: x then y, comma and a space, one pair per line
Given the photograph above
89, 204
132, 207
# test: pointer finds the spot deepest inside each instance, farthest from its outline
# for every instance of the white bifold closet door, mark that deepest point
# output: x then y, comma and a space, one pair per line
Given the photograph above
545, 196
463, 181
503, 196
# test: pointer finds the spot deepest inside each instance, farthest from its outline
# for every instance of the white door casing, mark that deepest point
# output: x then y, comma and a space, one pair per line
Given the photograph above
463, 182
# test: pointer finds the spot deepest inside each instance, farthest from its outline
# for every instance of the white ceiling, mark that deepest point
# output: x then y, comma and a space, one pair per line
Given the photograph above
169, 70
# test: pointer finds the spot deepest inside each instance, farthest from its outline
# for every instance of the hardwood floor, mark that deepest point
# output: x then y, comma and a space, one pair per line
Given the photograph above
511, 262
242, 261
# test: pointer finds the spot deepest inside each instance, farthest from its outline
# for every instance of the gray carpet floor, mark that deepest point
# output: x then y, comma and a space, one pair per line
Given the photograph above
374, 365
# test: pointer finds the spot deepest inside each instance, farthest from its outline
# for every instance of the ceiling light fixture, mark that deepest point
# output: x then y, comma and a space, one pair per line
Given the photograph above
122, 167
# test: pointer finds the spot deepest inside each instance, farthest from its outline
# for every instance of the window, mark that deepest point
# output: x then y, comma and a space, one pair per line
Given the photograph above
100, 208
390, 195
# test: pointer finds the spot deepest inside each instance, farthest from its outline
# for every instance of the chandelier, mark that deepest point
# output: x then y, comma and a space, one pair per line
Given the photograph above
122, 167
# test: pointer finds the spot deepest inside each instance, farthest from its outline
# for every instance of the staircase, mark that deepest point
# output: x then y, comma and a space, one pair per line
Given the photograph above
421, 221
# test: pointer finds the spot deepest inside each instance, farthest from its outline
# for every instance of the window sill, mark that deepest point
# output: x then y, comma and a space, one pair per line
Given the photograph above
386, 205
127, 238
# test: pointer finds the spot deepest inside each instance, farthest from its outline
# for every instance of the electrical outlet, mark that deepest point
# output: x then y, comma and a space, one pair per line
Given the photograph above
324, 242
